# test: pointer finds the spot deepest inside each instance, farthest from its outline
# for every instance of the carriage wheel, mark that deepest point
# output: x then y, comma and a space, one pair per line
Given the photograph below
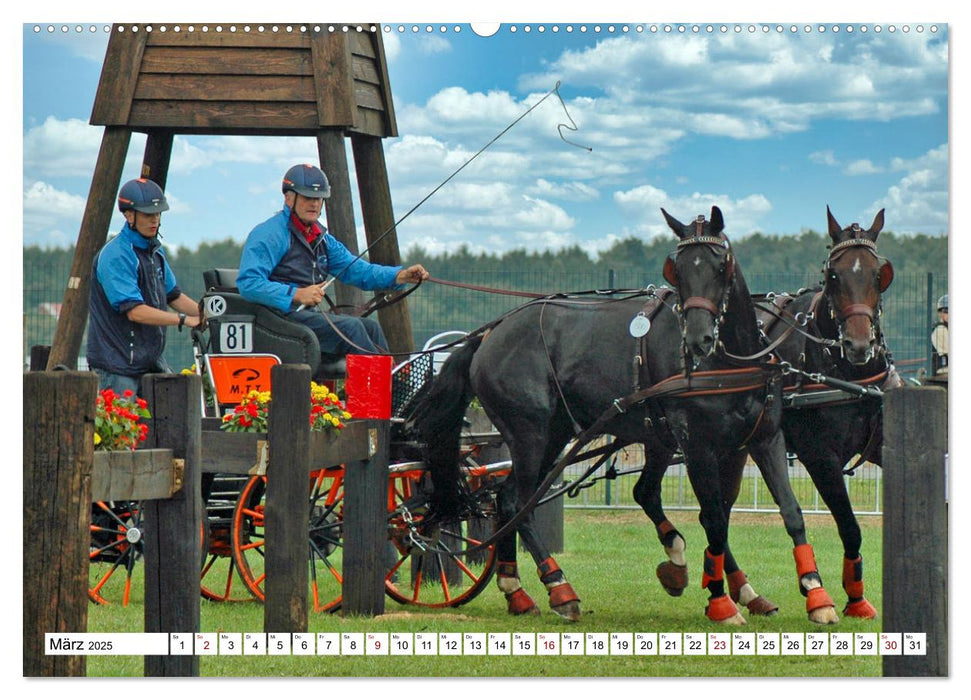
116, 546
221, 580
438, 575
326, 506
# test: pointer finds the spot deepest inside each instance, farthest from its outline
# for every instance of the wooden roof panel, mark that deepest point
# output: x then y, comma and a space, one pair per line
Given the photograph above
206, 80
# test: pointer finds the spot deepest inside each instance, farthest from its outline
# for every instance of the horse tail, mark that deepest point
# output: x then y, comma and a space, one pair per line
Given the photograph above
439, 419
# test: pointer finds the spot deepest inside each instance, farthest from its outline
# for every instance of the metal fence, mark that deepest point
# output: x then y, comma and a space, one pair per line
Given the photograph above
612, 486
909, 314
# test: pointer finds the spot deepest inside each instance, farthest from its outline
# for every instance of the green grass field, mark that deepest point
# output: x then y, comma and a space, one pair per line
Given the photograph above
610, 559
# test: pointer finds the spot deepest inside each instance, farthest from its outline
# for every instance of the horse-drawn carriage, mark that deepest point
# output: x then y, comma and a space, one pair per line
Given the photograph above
234, 353
691, 373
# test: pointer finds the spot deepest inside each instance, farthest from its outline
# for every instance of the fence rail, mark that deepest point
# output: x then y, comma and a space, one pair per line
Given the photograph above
603, 491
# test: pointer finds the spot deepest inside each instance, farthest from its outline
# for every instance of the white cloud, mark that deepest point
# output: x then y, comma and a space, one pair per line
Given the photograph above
863, 166
642, 206
434, 45
826, 157
918, 202
52, 217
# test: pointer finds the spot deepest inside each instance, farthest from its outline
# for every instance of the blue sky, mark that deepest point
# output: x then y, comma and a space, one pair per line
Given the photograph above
772, 126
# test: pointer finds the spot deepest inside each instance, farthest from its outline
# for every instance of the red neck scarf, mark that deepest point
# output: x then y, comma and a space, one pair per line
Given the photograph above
308, 231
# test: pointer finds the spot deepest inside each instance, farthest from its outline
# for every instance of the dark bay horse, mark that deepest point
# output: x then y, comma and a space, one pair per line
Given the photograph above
554, 369
825, 432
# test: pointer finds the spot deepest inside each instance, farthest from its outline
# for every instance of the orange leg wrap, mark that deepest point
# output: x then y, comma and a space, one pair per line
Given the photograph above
805, 560
736, 580
664, 528
519, 602
720, 608
546, 569
818, 598
714, 568
563, 594
853, 577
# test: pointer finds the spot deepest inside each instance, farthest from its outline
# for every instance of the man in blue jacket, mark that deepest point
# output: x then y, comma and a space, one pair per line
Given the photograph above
286, 260
132, 289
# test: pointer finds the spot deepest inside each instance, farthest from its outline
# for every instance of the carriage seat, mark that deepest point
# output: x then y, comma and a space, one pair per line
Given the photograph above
229, 316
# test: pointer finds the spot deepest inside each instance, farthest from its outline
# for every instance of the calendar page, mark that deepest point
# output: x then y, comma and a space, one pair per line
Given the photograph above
581, 166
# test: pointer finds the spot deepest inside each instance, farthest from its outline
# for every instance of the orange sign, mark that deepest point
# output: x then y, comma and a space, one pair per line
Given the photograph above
234, 376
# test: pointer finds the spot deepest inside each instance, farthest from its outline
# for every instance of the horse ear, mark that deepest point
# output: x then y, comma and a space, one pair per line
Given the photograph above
886, 275
675, 225
717, 221
835, 230
876, 227
669, 272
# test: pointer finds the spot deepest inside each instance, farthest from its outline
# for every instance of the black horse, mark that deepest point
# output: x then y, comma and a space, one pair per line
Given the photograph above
643, 371
826, 431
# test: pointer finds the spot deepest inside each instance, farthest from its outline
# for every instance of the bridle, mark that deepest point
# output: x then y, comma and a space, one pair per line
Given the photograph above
841, 314
717, 311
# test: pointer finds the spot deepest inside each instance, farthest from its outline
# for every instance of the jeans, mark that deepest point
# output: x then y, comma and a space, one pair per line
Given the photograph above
117, 382
365, 334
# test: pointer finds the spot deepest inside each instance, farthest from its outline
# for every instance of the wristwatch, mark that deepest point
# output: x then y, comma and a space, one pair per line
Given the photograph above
181, 321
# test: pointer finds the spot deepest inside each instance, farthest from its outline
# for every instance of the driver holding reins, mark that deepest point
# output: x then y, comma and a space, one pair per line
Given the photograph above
286, 260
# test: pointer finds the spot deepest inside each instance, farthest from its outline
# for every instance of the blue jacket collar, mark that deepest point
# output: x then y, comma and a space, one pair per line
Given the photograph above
138, 240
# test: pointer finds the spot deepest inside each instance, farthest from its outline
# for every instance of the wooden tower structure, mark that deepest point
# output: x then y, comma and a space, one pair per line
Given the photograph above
329, 82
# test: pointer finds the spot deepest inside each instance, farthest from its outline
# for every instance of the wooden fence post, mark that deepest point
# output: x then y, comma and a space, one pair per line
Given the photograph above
59, 411
287, 514
365, 531
915, 530
173, 526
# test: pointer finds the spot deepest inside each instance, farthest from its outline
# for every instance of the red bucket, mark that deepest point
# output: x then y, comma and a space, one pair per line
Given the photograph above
368, 386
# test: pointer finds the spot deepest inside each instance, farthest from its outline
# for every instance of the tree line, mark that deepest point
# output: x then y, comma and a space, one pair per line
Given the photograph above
770, 263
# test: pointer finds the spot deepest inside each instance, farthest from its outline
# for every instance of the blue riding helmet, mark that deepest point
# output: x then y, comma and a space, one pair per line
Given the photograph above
307, 180
142, 195
942, 303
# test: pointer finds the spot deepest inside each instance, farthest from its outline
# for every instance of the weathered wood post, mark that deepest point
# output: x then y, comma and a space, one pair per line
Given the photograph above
915, 529
173, 526
365, 530
287, 513
59, 412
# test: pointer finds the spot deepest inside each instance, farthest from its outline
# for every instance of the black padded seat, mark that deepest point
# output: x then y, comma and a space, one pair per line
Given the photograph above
273, 332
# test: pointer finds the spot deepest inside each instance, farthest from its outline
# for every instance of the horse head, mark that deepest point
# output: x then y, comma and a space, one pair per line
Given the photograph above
702, 270
854, 277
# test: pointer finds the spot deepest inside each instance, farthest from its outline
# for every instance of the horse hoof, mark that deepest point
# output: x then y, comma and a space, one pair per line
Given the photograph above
723, 611
860, 608
568, 611
673, 578
762, 606
825, 615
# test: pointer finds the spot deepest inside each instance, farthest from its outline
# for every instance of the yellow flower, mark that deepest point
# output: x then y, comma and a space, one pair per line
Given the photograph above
97, 439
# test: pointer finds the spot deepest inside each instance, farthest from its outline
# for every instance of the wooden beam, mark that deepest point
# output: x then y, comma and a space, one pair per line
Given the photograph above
94, 231
915, 528
364, 526
255, 88
228, 60
332, 150
135, 475
287, 515
372, 183
158, 153
119, 74
219, 116
173, 527
58, 444
334, 86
